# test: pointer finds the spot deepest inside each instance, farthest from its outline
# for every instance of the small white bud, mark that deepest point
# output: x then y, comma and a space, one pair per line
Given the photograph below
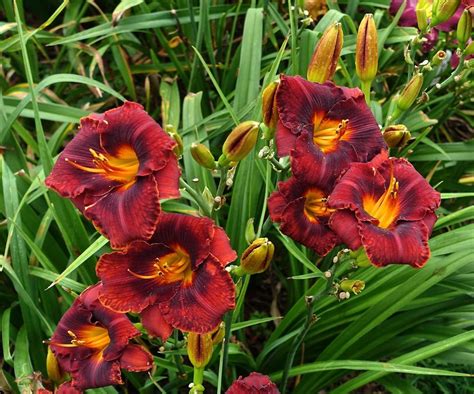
327, 274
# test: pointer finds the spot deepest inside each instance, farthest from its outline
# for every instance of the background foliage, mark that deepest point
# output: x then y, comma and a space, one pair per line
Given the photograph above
199, 68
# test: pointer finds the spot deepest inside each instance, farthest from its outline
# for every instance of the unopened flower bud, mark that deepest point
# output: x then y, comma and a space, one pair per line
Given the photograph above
55, 373
199, 349
218, 334
438, 58
269, 107
240, 141
250, 231
366, 49
469, 49
421, 19
171, 130
326, 55
203, 156
396, 136
356, 286
257, 257
410, 92
443, 10
464, 29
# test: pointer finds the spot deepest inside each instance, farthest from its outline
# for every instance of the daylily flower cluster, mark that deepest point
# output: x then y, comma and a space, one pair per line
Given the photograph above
344, 186
169, 268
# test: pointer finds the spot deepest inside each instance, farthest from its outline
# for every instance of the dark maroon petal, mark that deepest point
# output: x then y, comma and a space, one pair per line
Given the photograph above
121, 289
405, 243
66, 388
97, 372
351, 92
416, 196
167, 178
285, 139
199, 305
298, 101
255, 383
192, 234
430, 220
276, 205
345, 225
125, 215
154, 323
70, 181
136, 358
130, 124
220, 247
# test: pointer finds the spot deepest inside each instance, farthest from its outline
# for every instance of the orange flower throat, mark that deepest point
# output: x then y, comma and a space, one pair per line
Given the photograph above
328, 132
122, 168
387, 207
94, 337
173, 267
315, 205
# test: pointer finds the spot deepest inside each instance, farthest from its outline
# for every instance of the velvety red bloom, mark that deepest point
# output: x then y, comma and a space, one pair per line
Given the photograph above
387, 207
176, 279
116, 169
91, 342
255, 383
337, 120
299, 205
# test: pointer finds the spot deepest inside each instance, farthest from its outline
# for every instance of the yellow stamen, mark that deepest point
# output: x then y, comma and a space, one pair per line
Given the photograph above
91, 336
315, 205
385, 208
122, 168
327, 133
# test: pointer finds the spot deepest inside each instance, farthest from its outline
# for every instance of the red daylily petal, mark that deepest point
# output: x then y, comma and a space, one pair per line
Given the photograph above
136, 358
285, 139
123, 291
220, 247
351, 92
198, 306
167, 178
97, 372
277, 204
406, 243
67, 388
345, 225
429, 220
192, 234
126, 215
154, 323
131, 125
255, 383
68, 180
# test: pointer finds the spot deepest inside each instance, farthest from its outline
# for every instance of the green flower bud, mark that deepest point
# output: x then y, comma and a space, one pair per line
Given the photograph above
438, 58
323, 63
257, 257
55, 373
366, 49
469, 49
250, 231
178, 149
203, 156
464, 29
269, 107
199, 349
443, 10
410, 92
422, 19
396, 136
356, 286
240, 141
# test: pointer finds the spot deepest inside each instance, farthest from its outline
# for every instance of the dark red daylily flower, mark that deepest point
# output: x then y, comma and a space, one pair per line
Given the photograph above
176, 280
300, 206
116, 169
91, 342
386, 207
337, 121
255, 383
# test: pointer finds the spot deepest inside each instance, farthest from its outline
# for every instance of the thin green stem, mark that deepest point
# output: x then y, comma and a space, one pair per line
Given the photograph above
365, 87
198, 379
225, 350
196, 196
294, 38
267, 191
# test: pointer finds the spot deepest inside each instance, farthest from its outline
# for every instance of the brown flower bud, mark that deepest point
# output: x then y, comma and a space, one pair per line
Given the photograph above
240, 141
199, 349
396, 136
367, 58
356, 286
257, 257
269, 108
203, 156
443, 10
55, 373
326, 55
464, 29
410, 92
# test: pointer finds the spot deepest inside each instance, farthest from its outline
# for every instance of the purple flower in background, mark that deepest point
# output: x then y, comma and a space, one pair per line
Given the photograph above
408, 17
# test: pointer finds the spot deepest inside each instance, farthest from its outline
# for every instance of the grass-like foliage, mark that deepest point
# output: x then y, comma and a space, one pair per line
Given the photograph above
200, 68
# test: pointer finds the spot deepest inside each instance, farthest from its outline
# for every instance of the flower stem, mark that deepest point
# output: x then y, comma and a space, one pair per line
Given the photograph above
365, 87
196, 196
197, 381
224, 351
